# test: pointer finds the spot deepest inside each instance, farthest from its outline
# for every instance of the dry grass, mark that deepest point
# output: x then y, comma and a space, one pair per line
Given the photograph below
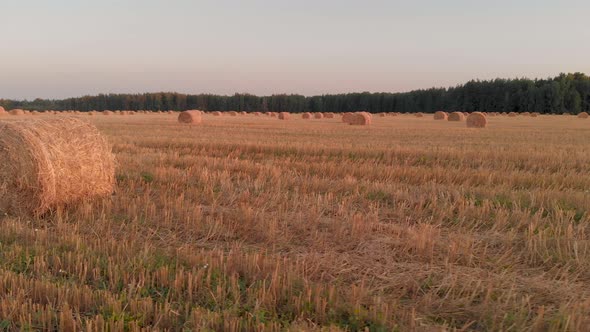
254, 224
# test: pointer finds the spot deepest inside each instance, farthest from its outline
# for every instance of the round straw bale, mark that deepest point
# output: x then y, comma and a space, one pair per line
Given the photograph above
476, 120
16, 111
216, 113
329, 115
35, 113
382, 115
419, 115
2, 110
49, 163
583, 115
306, 115
233, 113
107, 113
440, 115
525, 114
284, 116
257, 113
191, 116
535, 114
347, 117
273, 114
512, 114
360, 119
318, 115
456, 116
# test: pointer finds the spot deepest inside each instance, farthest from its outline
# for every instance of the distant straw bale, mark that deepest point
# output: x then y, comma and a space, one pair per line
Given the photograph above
347, 117
216, 113
440, 115
419, 114
456, 116
360, 119
476, 120
16, 111
284, 116
512, 114
49, 163
329, 115
233, 113
306, 115
191, 116
318, 115
583, 115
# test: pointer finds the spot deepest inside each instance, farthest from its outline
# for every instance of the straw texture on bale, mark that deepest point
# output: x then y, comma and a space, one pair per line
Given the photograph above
456, 116
16, 111
306, 115
318, 115
2, 110
284, 116
476, 120
440, 115
48, 163
360, 119
583, 115
347, 117
191, 116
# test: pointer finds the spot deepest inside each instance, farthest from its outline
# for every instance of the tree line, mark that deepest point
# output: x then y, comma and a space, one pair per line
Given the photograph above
564, 93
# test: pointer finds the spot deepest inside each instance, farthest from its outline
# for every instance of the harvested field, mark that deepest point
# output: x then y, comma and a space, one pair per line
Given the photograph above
251, 223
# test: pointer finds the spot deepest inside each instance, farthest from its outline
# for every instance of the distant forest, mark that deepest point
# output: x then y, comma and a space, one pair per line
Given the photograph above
564, 93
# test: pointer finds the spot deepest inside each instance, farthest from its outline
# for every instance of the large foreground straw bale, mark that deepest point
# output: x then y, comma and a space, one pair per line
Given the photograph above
440, 115
191, 116
456, 116
583, 115
48, 163
476, 120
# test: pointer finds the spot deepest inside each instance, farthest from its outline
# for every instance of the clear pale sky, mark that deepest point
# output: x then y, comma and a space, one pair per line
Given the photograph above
68, 48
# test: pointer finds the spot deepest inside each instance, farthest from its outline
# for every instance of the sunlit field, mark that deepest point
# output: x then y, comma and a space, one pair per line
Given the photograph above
252, 223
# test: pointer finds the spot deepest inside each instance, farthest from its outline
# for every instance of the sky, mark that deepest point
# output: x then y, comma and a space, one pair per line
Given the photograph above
70, 48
